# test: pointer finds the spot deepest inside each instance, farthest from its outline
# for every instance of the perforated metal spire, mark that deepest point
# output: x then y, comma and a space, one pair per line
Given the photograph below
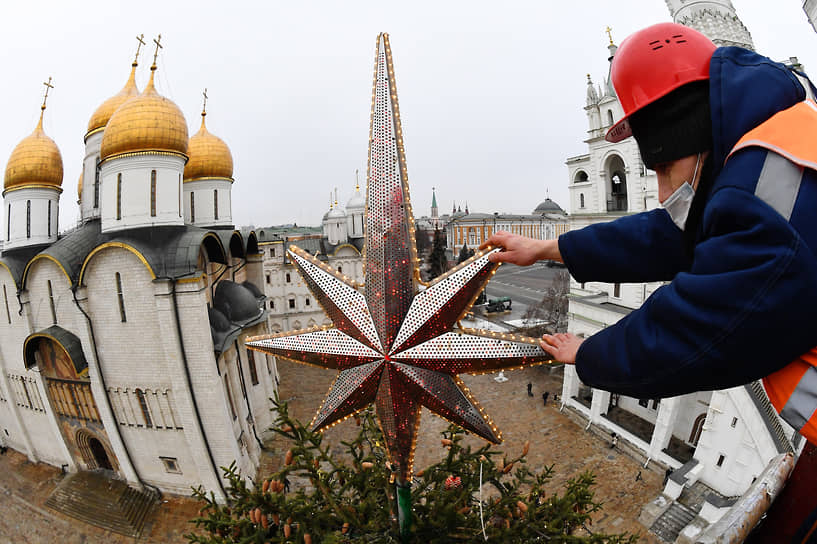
395, 344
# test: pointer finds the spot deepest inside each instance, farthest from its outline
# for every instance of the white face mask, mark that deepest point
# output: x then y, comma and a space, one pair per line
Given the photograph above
678, 203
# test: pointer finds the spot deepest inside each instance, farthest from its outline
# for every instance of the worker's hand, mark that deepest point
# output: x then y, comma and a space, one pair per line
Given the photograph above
520, 250
563, 346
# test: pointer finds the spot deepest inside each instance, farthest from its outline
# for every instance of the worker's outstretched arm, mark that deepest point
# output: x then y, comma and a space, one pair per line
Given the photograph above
744, 309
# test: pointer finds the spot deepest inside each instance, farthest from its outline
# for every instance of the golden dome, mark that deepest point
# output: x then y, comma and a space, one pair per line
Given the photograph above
35, 161
148, 122
104, 112
209, 156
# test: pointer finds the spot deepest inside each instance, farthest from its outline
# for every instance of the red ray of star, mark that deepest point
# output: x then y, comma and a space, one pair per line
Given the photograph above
395, 342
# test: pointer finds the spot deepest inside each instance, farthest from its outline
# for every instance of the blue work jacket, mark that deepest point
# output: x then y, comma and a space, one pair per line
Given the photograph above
743, 304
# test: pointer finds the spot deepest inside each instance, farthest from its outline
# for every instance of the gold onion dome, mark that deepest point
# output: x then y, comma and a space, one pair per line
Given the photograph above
147, 122
35, 161
104, 112
209, 156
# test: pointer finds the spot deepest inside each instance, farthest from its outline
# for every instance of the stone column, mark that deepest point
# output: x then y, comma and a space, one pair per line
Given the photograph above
601, 401
664, 424
570, 385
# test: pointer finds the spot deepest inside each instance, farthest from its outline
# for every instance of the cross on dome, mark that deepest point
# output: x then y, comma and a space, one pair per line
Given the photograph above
48, 87
141, 40
159, 45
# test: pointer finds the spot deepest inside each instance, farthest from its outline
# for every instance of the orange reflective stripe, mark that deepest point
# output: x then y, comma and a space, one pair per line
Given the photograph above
779, 385
790, 133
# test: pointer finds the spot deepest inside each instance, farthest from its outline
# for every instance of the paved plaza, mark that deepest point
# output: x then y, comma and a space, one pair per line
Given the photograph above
554, 438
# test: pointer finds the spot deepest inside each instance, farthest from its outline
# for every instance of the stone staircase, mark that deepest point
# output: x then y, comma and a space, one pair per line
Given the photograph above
670, 524
96, 499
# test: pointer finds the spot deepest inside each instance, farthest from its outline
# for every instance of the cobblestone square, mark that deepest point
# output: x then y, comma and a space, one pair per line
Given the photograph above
554, 438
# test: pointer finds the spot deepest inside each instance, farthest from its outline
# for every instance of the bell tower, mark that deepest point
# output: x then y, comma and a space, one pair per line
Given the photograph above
716, 19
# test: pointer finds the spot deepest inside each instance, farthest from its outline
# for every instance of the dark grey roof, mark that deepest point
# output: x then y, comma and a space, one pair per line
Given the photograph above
68, 340
171, 252
548, 206
329, 249
235, 307
17, 259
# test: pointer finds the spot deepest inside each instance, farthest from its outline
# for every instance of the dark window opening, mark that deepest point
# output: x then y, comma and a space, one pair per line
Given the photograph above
51, 301
153, 193
229, 394
721, 459
6, 300
288, 278
171, 465
192, 208
143, 405
121, 296
215, 204
28, 219
253, 369
292, 303
119, 196
96, 185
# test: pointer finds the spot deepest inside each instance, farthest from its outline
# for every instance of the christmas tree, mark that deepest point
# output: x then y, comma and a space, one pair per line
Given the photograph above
468, 496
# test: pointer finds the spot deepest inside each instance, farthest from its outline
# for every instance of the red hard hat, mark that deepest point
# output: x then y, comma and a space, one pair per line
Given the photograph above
653, 62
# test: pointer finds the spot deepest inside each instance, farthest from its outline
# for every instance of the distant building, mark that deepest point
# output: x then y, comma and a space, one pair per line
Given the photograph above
122, 347
338, 242
547, 221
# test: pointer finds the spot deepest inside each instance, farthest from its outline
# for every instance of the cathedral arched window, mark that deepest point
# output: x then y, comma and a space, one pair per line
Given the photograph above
96, 184
153, 193
51, 303
215, 204
49, 218
306, 301
180, 195
119, 196
581, 200
8, 224
143, 406
192, 207
6, 300
229, 395
28, 219
609, 117
121, 296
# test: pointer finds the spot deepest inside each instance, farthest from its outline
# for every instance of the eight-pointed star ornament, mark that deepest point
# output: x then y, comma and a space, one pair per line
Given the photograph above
395, 341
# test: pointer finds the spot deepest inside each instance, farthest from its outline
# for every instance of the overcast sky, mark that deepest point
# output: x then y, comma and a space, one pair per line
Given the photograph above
491, 93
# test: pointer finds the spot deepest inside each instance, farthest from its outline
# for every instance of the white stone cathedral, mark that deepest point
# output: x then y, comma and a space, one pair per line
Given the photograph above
715, 442
122, 343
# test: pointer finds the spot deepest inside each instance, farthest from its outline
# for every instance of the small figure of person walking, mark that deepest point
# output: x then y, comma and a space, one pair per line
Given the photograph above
545, 398
530, 387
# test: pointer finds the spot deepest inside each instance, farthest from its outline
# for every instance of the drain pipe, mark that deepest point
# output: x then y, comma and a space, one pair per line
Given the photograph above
189, 382
244, 394
105, 387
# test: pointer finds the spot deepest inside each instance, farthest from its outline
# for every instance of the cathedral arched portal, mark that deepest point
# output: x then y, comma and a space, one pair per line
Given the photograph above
95, 452
59, 356
616, 183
